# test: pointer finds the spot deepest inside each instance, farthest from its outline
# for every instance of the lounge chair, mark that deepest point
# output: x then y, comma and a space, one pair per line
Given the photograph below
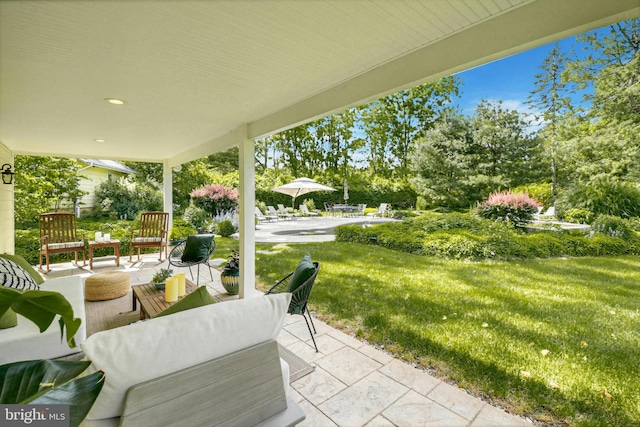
282, 212
549, 214
306, 212
382, 210
262, 217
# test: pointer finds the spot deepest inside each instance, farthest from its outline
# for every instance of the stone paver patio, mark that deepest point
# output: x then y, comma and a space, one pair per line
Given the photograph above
353, 384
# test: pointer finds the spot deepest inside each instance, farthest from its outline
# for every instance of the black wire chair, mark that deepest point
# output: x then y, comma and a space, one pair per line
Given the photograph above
299, 298
175, 258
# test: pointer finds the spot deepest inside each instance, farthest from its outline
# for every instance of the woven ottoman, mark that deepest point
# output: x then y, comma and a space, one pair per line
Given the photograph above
104, 286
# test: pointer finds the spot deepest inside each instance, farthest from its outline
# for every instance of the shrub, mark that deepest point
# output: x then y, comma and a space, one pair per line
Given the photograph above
196, 216
226, 228
541, 192
603, 196
180, 230
612, 226
421, 203
215, 198
579, 216
310, 204
508, 207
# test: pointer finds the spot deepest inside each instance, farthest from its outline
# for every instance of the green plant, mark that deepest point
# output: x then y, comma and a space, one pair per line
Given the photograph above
234, 261
603, 196
47, 381
181, 230
162, 275
196, 216
226, 228
579, 216
508, 207
310, 204
612, 226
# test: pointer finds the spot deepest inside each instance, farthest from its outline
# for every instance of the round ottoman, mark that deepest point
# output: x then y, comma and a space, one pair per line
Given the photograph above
109, 285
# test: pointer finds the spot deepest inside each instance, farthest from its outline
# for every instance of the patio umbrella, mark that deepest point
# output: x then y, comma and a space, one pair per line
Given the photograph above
301, 186
346, 191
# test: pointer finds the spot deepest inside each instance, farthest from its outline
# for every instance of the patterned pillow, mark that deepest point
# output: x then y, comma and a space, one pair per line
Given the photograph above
14, 276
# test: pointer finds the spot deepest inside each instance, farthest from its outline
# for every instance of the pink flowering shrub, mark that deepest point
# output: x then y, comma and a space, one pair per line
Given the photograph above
508, 207
215, 198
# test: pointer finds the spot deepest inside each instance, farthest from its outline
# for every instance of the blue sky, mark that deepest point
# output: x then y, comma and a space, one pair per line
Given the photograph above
510, 79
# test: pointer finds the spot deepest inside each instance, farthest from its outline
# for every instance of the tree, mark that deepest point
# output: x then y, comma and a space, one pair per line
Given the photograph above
393, 123
551, 97
43, 184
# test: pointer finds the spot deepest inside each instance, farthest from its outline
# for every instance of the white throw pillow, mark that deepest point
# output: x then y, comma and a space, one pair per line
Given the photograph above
146, 350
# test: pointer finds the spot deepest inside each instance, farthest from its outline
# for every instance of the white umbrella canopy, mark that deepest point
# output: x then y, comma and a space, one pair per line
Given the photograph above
301, 186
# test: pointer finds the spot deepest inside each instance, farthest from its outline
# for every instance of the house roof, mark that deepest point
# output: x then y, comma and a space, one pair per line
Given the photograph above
112, 165
199, 76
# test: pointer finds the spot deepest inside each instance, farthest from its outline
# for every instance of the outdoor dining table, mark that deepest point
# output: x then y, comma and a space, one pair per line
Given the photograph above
345, 209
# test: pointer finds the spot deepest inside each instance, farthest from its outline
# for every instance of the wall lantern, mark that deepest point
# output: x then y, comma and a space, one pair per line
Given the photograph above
7, 174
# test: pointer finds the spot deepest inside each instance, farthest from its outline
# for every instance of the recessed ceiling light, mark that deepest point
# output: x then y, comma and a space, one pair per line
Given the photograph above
100, 140
114, 101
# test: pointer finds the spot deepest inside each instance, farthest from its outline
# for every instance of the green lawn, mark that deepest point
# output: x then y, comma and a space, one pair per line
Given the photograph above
558, 339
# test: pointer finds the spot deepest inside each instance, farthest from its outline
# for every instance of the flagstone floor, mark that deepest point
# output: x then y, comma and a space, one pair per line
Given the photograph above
353, 384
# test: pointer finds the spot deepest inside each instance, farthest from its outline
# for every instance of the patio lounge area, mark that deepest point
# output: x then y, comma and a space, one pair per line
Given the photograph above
353, 383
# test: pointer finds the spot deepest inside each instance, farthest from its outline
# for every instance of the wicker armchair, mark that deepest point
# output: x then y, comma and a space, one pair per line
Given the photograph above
299, 298
176, 258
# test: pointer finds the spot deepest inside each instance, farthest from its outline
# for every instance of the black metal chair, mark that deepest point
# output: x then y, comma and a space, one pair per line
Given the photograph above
299, 298
175, 258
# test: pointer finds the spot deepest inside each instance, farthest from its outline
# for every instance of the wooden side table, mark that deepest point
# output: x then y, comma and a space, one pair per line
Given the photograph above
111, 243
152, 300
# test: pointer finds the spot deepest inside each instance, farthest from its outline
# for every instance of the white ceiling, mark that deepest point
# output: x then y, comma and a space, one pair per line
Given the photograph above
196, 73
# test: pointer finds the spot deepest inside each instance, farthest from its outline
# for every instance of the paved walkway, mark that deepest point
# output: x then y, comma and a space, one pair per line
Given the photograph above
353, 384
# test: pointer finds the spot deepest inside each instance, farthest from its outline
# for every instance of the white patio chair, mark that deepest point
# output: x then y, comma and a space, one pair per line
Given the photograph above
282, 211
381, 210
306, 212
262, 218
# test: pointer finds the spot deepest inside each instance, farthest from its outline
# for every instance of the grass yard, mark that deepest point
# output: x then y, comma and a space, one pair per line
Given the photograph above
558, 339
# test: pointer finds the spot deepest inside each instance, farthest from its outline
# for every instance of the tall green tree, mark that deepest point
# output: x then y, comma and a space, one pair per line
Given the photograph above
393, 123
551, 98
43, 184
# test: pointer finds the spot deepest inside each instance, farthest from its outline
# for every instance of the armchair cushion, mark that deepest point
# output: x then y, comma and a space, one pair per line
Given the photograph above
25, 266
195, 299
14, 276
197, 247
303, 271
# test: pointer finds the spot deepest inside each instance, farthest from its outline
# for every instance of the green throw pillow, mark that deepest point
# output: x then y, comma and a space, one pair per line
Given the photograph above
304, 270
8, 320
197, 247
26, 266
197, 298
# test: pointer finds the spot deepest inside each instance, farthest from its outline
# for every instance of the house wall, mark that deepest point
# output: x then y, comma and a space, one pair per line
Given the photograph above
92, 178
7, 233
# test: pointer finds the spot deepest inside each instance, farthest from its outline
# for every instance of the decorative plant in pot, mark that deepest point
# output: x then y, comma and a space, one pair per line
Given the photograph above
159, 279
47, 381
230, 276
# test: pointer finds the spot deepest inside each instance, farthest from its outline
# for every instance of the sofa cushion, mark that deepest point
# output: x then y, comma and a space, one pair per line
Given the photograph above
197, 247
9, 319
14, 276
26, 266
197, 298
147, 350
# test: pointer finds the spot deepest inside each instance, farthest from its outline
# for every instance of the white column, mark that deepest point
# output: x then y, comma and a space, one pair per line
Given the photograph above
167, 181
247, 205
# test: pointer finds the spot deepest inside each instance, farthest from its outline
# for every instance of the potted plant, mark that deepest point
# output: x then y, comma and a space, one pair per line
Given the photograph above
161, 277
230, 276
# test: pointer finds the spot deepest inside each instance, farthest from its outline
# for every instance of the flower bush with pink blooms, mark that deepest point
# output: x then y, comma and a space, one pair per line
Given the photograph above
508, 207
215, 198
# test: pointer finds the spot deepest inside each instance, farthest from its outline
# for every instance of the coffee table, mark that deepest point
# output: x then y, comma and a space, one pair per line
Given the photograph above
152, 300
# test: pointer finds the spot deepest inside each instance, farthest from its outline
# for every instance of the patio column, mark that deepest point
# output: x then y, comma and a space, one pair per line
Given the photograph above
167, 181
247, 205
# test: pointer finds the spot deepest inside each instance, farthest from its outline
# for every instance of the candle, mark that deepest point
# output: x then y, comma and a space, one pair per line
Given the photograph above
107, 237
171, 290
182, 287
98, 236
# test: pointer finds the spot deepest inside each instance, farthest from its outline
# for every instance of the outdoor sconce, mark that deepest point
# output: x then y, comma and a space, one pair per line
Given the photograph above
7, 174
